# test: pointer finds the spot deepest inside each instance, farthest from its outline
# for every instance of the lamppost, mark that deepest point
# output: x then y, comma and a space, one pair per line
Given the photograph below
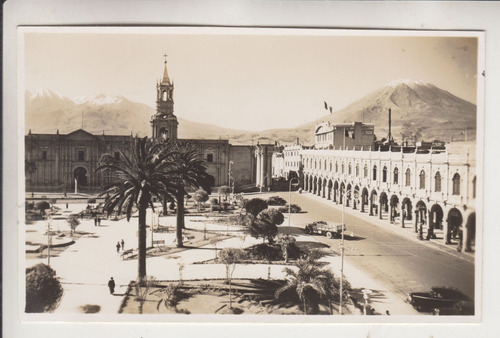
344, 198
290, 197
49, 239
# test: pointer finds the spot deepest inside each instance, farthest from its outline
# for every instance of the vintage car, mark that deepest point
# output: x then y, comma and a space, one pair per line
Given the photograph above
443, 299
324, 228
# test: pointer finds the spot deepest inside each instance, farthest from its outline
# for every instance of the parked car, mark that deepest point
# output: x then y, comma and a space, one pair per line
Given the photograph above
443, 299
325, 228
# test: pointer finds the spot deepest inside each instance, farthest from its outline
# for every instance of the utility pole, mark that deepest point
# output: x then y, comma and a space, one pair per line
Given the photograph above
290, 198
342, 253
49, 239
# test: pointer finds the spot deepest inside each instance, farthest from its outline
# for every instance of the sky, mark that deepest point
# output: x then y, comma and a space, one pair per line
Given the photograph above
248, 79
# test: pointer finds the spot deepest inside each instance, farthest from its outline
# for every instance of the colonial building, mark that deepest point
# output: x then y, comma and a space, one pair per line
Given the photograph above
408, 186
68, 162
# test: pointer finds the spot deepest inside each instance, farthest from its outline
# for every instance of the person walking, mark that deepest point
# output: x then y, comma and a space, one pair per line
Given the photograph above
111, 286
117, 246
123, 244
98, 221
95, 221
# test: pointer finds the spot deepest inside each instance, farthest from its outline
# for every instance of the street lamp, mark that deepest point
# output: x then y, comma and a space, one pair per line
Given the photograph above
290, 197
49, 239
229, 175
344, 198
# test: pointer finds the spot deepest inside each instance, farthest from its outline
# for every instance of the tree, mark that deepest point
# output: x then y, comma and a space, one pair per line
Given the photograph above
42, 206
224, 191
43, 289
200, 196
265, 225
310, 283
255, 206
147, 173
286, 241
189, 172
73, 222
230, 257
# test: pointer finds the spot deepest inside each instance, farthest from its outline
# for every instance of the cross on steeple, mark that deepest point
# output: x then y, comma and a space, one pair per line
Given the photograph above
165, 55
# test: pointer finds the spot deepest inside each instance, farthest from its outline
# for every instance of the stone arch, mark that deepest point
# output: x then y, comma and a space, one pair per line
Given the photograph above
394, 206
320, 186
80, 178
470, 238
373, 202
364, 199
324, 185
348, 195
355, 197
420, 217
455, 220
330, 186
406, 210
341, 192
315, 185
383, 204
435, 220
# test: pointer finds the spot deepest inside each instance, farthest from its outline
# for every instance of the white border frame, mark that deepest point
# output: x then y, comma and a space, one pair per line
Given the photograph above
243, 13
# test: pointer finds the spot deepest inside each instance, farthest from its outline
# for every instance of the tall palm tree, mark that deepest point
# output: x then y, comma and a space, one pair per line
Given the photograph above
189, 172
310, 283
145, 174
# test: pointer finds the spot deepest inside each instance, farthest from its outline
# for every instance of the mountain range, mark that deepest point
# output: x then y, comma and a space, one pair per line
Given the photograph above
419, 111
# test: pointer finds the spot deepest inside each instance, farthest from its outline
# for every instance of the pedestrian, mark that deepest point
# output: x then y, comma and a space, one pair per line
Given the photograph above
111, 286
95, 221
98, 221
123, 244
117, 246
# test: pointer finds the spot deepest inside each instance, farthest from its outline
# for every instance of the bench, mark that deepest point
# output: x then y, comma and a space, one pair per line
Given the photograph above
127, 253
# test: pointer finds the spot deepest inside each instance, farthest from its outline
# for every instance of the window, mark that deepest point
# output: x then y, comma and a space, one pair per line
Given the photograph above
395, 175
342, 167
336, 167
81, 155
384, 174
349, 169
357, 169
374, 172
331, 165
210, 158
437, 182
117, 155
422, 179
44, 154
408, 177
456, 184
365, 171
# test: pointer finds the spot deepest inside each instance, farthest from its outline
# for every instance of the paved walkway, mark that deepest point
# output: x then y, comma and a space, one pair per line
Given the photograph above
86, 266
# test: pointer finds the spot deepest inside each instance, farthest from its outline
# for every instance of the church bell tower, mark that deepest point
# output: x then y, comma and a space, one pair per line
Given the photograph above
164, 122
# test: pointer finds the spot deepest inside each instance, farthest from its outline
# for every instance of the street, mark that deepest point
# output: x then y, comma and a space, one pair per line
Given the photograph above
398, 262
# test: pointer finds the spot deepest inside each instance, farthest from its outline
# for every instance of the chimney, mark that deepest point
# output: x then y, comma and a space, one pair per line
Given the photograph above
297, 142
389, 138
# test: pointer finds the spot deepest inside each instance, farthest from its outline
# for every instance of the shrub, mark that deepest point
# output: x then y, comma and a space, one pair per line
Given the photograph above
43, 289
42, 206
265, 251
294, 208
276, 200
255, 206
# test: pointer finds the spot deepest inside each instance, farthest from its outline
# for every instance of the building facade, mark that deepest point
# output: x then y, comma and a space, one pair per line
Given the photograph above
424, 189
67, 162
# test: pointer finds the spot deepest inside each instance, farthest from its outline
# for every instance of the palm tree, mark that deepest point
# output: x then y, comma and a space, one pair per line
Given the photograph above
145, 174
310, 282
189, 172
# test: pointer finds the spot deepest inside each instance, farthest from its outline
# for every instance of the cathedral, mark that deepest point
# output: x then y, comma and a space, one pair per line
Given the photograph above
67, 162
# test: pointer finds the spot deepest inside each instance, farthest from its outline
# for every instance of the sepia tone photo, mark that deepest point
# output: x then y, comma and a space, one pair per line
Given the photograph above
325, 174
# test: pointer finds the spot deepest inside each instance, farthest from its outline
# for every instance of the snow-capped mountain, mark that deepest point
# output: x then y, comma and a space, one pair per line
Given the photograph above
419, 110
